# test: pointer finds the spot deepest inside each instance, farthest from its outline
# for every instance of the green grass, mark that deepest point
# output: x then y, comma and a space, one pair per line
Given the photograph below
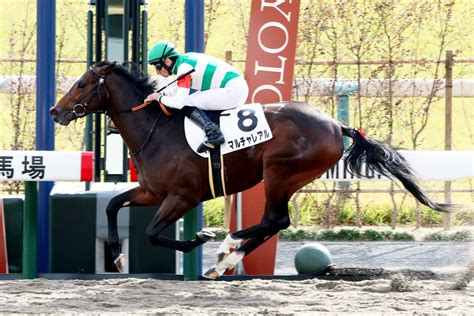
364, 234
462, 235
356, 234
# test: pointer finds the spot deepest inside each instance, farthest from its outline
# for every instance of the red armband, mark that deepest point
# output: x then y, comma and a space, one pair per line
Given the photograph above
185, 82
361, 132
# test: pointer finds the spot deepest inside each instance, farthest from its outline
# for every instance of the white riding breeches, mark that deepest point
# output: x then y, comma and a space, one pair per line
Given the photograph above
234, 94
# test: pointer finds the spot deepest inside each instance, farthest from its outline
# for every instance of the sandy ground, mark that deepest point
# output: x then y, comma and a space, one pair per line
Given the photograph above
400, 293
148, 296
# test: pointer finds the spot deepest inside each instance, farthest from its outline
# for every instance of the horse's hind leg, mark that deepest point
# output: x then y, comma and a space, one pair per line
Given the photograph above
135, 196
234, 240
275, 218
228, 260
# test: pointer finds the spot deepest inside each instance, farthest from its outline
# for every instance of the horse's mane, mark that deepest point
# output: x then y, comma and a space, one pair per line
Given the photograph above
144, 83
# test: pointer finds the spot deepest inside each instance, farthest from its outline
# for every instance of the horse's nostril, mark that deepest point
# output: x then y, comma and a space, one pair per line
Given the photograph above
53, 112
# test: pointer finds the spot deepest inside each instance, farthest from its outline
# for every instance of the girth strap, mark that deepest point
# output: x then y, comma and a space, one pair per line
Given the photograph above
216, 164
216, 173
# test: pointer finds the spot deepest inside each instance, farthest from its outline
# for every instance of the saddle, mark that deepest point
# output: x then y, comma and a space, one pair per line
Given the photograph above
242, 127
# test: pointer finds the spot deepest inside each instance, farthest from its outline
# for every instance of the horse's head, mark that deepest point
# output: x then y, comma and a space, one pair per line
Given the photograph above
89, 94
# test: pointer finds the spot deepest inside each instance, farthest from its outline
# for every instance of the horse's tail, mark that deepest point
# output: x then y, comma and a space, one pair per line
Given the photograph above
386, 161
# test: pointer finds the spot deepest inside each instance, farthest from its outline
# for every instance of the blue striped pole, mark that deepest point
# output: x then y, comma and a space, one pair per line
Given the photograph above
194, 34
45, 98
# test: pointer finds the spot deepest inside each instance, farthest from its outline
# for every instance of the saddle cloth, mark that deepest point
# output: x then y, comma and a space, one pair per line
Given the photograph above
243, 127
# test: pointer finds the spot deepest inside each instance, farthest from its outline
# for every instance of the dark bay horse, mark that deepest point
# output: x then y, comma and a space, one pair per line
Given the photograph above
305, 144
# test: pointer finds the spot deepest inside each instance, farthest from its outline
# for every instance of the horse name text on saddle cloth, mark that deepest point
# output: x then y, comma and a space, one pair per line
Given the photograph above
243, 127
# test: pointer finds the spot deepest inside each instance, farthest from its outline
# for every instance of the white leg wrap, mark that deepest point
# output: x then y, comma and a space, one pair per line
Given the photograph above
233, 259
225, 259
228, 243
228, 263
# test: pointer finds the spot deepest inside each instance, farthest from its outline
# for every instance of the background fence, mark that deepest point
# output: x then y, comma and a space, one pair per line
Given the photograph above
389, 91
383, 93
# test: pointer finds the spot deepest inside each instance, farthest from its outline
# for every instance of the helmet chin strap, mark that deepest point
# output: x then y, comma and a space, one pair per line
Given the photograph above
168, 68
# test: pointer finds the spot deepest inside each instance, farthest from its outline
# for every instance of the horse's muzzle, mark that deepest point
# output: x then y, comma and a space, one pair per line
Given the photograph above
61, 117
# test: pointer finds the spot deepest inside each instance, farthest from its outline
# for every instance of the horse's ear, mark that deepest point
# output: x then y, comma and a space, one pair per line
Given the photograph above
104, 70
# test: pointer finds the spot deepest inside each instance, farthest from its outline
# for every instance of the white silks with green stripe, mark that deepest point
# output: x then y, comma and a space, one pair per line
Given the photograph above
214, 85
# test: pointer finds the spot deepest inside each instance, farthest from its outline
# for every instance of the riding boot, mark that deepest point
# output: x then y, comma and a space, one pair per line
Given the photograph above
214, 135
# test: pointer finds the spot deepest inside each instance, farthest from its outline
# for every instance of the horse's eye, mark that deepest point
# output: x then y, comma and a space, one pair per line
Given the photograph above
81, 85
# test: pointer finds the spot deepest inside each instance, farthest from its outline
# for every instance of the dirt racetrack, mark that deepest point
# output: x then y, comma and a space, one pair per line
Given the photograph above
397, 294
417, 278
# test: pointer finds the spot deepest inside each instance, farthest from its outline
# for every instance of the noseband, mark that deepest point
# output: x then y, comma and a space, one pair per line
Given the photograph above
80, 109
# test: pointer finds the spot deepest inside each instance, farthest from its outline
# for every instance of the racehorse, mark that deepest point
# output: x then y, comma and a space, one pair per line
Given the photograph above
305, 144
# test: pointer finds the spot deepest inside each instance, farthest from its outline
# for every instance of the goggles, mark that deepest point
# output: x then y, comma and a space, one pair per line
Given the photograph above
158, 66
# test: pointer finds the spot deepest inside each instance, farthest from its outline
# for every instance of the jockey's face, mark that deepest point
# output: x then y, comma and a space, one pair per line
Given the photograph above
163, 71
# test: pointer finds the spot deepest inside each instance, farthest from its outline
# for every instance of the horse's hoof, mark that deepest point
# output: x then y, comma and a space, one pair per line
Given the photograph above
212, 273
228, 261
205, 235
120, 262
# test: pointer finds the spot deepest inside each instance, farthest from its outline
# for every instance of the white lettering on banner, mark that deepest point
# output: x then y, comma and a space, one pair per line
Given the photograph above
280, 69
41, 165
268, 31
33, 167
268, 87
272, 50
340, 172
275, 5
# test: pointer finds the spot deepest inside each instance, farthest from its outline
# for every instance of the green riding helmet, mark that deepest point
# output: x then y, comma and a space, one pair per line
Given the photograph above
312, 258
160, 51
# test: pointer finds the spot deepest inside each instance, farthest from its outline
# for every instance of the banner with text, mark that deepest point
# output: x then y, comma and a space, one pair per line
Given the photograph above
427, 165
269, 72
46, 166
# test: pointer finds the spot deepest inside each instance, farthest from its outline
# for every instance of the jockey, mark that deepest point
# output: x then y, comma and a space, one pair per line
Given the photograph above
213, 86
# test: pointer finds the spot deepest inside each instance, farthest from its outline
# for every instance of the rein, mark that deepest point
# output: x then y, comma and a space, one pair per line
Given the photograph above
144, 104
140, 149
139, 107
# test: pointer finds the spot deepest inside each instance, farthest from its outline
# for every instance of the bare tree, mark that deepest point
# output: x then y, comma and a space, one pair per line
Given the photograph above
21, 101
444, 14
212, 7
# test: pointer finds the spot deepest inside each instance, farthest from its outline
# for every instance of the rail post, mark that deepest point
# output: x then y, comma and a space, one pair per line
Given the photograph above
30, 224
448, 128
342, 91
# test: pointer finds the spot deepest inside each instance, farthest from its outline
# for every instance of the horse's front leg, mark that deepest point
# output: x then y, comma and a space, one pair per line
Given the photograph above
173, 208
135, 196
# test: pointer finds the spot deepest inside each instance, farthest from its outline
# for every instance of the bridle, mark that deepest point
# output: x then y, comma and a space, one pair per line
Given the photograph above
80, 109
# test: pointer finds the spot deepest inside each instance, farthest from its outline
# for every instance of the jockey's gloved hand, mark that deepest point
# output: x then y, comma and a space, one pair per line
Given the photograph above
153, 97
